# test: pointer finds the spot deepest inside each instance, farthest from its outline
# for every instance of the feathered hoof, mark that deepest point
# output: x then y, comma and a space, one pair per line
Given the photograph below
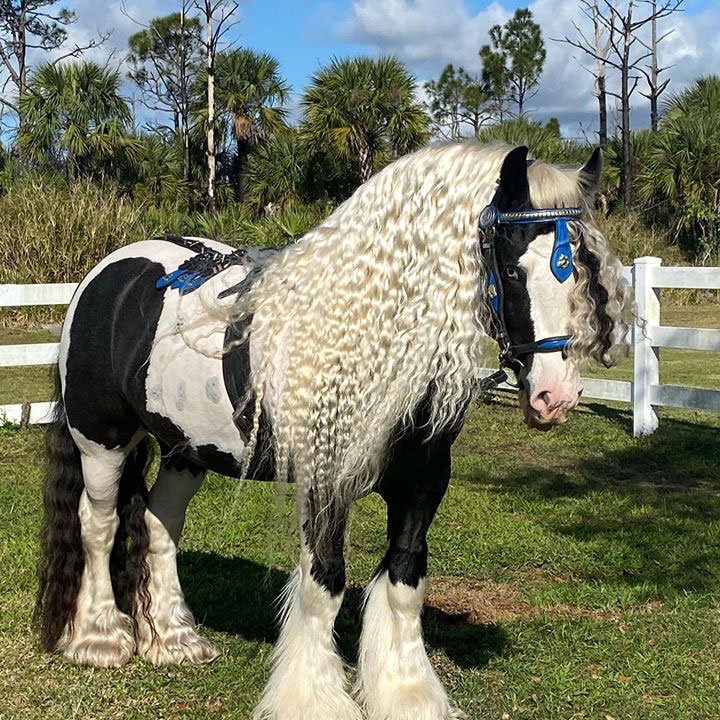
413, 702
337, 706
107, 642
181, 647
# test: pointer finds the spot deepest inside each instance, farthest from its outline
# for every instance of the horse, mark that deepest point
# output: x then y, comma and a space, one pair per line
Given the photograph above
345, 363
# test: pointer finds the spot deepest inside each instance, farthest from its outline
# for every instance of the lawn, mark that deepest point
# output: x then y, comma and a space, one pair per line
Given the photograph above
574, 574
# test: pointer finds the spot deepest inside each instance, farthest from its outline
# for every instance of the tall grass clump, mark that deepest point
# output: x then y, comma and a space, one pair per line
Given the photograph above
543, 141
54, 232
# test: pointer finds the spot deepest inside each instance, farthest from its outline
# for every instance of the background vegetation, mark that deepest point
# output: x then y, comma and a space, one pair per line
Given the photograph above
80, 174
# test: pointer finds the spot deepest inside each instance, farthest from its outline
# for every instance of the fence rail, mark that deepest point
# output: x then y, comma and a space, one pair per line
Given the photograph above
646, 275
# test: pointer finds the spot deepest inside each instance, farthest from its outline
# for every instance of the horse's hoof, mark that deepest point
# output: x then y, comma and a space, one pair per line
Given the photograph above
105, 641
181, 647
101, 654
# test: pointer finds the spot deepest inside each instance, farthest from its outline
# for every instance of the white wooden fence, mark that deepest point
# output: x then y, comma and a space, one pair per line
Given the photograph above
647, 277
645, 392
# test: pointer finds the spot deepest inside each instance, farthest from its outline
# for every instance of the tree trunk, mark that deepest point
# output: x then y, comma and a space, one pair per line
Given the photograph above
184, 113
187, 162
625, 129
602, 108
242, 147
366, 162
211, 112
654, 73
21, 53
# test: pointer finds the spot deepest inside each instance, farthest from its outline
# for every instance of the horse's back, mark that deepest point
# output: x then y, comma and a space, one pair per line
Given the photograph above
133, 356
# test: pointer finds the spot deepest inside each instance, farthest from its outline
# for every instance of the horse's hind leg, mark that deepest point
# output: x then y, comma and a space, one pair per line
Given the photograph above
166, 632
308, 678
98, 634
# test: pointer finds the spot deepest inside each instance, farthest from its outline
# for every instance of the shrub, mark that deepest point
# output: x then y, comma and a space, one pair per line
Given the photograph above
543, 141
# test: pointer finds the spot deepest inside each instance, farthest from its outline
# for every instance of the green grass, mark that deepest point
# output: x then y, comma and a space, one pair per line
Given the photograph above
574, 574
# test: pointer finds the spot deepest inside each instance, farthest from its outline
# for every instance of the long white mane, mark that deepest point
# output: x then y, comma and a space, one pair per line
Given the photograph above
376, 310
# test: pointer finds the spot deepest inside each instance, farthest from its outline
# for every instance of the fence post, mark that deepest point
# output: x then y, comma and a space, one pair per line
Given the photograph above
646, 370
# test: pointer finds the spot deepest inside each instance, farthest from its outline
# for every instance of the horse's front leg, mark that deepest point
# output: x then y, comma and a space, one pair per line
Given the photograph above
308, 678
396, 679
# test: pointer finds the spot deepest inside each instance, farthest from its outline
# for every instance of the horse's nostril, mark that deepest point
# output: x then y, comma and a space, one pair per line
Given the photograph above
544, 398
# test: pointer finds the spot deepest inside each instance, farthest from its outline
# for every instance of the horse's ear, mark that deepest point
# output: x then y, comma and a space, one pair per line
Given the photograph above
591, 173
514, 184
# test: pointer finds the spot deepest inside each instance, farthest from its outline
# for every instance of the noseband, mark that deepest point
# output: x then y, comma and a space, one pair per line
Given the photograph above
561, 266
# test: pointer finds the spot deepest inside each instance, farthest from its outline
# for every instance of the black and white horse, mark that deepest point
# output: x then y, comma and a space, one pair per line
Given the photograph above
345, 363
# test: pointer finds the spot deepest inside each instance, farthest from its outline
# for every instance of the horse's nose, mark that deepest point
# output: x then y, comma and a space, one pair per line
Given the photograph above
552, 403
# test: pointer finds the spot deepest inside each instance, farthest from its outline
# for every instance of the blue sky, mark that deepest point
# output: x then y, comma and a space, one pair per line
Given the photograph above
426, 35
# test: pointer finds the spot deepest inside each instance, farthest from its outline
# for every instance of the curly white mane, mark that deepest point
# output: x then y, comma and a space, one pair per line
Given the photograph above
383, 306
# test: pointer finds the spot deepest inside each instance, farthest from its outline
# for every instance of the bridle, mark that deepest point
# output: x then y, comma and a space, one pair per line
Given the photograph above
561, 266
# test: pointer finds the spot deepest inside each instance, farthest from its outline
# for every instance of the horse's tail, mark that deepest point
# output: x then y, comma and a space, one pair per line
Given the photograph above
62, 560
129, 570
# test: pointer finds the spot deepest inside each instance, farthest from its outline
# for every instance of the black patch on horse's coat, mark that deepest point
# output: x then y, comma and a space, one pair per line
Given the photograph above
413, 484
236, 374
328, 561
511, 243
111, 336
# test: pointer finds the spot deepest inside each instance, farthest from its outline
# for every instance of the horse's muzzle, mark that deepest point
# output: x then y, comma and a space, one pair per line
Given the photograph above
543, 412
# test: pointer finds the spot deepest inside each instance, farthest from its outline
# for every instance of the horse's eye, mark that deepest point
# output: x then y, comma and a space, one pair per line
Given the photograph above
511, 272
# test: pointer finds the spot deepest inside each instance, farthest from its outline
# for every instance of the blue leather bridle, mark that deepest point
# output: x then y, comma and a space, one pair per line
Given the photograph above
561, 266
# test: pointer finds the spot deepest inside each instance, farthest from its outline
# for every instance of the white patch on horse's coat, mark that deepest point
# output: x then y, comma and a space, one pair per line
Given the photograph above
183, 348
550, 314
190, 342
396, 680
101, 635
176, 640
308, 680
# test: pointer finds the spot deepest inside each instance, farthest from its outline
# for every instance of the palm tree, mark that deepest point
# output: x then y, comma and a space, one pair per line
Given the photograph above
286, 171
682, 176
251, 93
75, 116
359, 106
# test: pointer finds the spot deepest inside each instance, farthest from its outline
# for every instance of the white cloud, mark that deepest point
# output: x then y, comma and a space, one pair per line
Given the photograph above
95, 19
428, 34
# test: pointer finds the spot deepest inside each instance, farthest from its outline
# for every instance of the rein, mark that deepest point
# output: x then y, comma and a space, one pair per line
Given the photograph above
561, 266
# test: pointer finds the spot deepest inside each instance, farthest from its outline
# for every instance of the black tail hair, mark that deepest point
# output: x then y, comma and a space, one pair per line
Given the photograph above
129, 571
62, 560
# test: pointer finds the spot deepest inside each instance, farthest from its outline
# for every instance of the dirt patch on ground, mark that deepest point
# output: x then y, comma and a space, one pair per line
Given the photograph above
487, 603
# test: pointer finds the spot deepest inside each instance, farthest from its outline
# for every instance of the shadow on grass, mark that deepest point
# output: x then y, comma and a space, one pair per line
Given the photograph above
238, 596
678, 466
654, 504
